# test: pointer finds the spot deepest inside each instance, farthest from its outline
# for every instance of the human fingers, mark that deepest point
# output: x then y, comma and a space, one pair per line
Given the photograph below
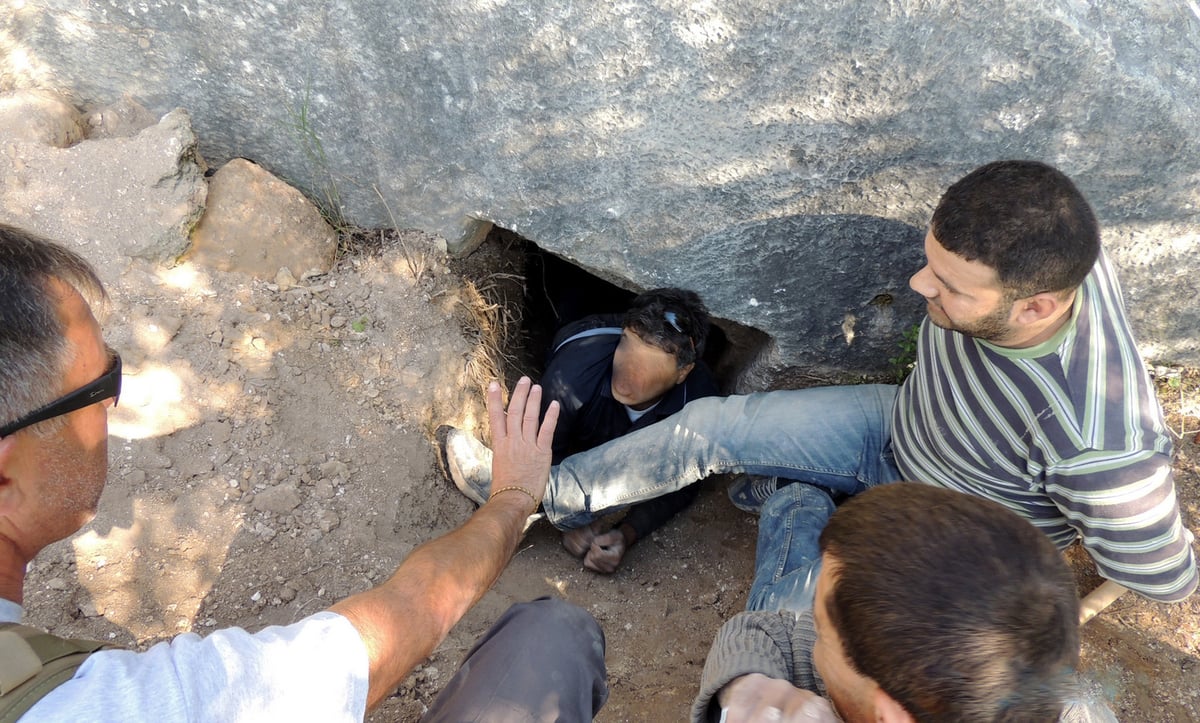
495, 407
516, 408
533, 410
813, 710
756, 697
596, 562
765, 712
545, 437
579, 540
606, 552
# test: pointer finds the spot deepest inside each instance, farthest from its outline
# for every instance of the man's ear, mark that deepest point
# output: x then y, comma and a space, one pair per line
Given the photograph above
1039, 307
683, 373
887, 710
8, 489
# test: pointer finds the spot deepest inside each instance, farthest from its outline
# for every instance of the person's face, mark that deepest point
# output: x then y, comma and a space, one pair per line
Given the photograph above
964, 296
642, 372
852, 692
67, 470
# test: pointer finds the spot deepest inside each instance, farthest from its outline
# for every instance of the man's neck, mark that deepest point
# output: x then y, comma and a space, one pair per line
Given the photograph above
12, 571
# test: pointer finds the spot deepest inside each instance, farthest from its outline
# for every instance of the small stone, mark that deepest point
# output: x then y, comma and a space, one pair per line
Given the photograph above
284, 279
333, 469
327, 521
337, 322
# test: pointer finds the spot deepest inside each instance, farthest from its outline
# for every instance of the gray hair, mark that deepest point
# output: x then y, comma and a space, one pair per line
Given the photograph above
34, 355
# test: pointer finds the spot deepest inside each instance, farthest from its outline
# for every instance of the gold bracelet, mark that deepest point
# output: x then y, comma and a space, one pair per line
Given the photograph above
515, 488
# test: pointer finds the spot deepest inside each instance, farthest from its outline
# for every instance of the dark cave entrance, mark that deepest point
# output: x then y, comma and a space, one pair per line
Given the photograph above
539, 291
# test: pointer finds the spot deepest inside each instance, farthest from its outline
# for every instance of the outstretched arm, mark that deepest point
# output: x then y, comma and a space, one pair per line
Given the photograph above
404, 619
760, 666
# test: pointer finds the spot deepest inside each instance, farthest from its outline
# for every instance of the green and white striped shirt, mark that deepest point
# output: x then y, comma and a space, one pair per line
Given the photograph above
1067, 434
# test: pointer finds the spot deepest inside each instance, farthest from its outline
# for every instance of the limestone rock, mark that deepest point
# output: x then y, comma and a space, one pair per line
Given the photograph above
136, 196
121, 119
279, 500
623, 135
39, 116
257, 224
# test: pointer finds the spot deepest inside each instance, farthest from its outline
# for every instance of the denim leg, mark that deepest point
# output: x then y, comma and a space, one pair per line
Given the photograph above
541, 661
787, 559
837, 437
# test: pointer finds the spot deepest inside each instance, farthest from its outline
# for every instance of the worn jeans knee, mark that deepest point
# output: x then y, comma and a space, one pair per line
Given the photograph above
788, 553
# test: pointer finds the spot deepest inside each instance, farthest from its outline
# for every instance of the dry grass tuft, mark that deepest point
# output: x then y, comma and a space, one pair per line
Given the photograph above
493, 324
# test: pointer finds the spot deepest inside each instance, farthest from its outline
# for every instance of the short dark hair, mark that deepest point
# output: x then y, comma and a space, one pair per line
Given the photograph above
674, 320
1024, 219
958, 608
33, 348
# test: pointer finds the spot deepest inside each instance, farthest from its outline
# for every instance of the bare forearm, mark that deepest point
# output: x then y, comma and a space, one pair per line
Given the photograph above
404, 619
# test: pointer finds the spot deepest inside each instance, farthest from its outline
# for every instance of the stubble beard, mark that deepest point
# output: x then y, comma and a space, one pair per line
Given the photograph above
992, 328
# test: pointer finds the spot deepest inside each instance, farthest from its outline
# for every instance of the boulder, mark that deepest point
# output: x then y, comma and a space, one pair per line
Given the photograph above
647, 141
39, 116
137, 196
120, 119
259, 225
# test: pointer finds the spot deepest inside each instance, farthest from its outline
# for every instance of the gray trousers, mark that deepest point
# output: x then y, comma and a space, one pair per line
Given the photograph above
541, 661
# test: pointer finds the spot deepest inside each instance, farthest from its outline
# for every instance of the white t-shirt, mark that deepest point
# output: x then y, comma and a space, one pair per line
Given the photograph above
315, 669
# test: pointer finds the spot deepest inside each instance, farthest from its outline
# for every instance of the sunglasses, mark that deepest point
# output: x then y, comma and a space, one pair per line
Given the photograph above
108, 386
673, 319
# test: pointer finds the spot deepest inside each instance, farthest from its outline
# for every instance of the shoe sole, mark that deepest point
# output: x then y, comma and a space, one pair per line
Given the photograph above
449, 469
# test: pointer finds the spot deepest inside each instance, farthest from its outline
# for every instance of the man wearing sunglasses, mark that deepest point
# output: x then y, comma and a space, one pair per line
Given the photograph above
57, 381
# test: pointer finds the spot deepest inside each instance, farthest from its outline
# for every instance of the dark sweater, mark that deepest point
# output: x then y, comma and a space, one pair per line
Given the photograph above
579, 375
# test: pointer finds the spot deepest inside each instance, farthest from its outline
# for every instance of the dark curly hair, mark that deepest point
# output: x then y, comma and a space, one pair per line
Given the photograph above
674, 320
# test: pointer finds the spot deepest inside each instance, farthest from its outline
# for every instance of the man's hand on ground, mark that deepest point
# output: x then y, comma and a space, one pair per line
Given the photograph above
520, 447
579, 540
601, 551
756, 697
606, 552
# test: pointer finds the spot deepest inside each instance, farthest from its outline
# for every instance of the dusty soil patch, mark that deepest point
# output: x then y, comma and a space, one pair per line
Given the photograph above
272, 453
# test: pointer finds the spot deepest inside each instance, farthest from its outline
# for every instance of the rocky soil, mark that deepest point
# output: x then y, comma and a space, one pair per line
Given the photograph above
272, 453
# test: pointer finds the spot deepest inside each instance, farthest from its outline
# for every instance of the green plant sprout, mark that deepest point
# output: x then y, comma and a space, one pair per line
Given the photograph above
330, 201
902, 363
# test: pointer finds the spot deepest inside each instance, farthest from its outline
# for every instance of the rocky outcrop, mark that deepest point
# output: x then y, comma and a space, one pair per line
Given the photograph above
651, 142
257, 224
137, 196
39, 116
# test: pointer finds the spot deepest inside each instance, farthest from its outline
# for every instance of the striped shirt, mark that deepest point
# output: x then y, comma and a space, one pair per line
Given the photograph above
1067, 434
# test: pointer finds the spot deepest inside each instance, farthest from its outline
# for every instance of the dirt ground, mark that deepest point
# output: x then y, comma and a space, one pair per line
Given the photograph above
272, 453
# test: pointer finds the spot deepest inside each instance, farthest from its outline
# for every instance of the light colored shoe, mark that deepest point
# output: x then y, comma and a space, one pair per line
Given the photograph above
749, 493
467, 462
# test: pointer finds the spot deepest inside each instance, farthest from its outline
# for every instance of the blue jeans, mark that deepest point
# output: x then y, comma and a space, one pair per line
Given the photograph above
836, 437
788, 557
